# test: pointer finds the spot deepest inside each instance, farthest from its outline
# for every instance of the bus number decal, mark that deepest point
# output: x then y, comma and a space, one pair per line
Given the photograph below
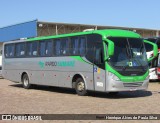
97, 70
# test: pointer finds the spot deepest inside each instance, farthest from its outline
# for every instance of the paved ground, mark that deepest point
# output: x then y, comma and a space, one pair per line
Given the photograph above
51, 100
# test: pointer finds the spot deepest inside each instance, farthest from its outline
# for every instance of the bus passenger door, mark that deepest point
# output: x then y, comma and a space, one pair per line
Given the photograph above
99, 68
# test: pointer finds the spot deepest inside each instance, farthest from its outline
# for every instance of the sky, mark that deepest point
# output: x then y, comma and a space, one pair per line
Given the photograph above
124, 13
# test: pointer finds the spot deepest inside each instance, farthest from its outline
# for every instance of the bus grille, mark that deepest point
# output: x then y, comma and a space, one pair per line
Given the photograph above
136, 84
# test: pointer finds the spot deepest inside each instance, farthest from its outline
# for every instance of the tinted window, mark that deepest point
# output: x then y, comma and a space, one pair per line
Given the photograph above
20, 49
92, 41
32, 48
9, 50
74, 46
78, 46
98, 54
57, 47
42, 48
64, 47
82, 46
49, 48
45, 48
29, 49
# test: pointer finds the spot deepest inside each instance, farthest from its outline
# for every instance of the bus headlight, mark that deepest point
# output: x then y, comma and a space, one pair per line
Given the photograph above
114, 77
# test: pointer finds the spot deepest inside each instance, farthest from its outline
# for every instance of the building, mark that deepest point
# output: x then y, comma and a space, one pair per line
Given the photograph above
52, 28
37, 28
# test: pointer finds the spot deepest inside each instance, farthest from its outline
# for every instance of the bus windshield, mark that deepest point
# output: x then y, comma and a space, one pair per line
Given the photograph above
128, 53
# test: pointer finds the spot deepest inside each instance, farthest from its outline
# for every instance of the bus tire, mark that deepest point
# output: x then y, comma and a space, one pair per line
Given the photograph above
25, 81
80, 87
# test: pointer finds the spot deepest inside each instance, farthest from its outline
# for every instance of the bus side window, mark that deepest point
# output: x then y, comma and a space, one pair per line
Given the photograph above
74, 46
42, 45
49, 47
98, 56
57, 47
92, 41
64, 47
34, 48
29, 49
20, 49
9, 50
82, 46
6, 51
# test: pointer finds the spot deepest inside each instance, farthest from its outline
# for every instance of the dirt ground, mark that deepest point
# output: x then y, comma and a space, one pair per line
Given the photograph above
53, 100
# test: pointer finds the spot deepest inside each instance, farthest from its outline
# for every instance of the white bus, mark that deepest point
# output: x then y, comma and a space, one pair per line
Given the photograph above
154, 63
1, 44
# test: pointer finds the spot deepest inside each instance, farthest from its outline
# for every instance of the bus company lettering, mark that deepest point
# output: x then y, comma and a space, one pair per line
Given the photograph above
60, 63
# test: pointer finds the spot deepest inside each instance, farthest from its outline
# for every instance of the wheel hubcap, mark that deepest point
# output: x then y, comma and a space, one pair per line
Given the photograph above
80, 86
26, 82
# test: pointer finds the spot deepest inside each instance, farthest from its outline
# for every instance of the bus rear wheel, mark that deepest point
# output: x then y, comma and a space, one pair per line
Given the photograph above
25, 81
80, 87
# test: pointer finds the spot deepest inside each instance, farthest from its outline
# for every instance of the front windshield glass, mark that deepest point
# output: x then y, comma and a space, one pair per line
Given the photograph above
128, 52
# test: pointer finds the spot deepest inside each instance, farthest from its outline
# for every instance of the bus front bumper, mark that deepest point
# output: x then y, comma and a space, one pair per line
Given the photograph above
115, 86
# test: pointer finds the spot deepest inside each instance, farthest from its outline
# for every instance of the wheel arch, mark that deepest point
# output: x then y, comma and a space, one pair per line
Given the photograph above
23, 73
75, 77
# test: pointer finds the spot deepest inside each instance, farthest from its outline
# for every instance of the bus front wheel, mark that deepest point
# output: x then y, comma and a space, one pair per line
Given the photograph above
25, 81
80, 87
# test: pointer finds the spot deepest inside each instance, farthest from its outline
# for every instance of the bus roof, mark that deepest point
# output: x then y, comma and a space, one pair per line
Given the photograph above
105, 33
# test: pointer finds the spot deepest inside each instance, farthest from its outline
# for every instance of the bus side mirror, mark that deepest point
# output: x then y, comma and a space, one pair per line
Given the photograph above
110, 47
155, 49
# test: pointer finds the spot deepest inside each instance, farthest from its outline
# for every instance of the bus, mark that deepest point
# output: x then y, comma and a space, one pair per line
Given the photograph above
149, 49
1, 46
153, 68
154, 63
158, 67
101, 60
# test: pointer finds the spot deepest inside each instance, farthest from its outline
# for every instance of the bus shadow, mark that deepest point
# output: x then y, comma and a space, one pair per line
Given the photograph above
55, 89
48, 88
154, 81
127, 94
